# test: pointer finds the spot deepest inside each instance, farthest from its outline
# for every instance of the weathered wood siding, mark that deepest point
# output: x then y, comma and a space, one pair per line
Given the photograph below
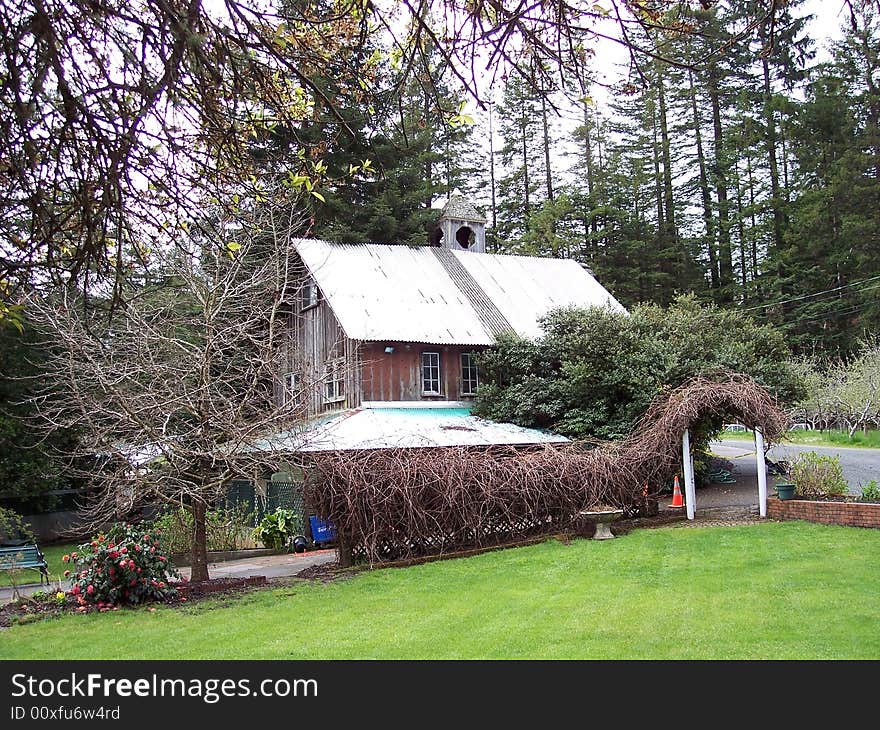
316, 339
397, 375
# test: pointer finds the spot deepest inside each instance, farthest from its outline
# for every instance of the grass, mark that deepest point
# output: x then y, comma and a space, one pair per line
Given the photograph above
772, 590
869, 440
53, 555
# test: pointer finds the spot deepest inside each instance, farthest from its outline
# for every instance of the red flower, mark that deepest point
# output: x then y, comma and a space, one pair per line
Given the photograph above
75, 590
94, 543
65, 559
90, 589
152, 549
66, 573
161, 584
113, 555
122, 564
132, 582
73, 555
131, 564
139, 570
123, 550
137, 547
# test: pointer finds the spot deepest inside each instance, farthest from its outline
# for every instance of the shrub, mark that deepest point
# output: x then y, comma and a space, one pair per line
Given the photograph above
870, 492
226, 529
818, 475
276, 528
13, 528
593, 373
123, 566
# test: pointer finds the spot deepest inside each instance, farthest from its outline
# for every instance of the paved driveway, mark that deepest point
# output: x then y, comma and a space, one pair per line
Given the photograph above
859, 465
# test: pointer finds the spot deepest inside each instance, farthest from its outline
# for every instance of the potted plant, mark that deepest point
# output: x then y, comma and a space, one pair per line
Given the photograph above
785, 488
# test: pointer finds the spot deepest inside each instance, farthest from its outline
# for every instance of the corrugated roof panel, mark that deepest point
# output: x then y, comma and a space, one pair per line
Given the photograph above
414, 428
399, 293
407, 293
525, 288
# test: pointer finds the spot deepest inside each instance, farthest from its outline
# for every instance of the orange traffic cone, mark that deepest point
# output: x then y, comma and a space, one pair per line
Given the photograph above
677, 501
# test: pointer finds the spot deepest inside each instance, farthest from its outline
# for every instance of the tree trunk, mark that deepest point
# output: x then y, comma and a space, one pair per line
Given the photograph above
743, 274
549, 170
754, 237
770, 142
346, 560
525, 158
199, 543
492, 168
669, 202
725, 254
588, 156
704, 187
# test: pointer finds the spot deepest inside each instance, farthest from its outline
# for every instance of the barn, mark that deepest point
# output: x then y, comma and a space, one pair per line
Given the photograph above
383, 338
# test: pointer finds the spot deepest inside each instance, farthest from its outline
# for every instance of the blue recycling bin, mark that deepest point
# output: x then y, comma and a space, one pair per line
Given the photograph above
321, 531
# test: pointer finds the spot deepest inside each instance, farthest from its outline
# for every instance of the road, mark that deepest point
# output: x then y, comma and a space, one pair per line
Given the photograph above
859, 465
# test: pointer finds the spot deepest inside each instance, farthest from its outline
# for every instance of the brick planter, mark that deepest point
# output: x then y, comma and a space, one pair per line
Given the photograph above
852, 514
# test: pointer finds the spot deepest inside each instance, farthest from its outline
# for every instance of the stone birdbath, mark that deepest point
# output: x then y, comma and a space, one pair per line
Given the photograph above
603, 516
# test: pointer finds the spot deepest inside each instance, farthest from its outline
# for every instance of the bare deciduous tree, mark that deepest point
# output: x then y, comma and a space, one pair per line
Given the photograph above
115, 116
170, 398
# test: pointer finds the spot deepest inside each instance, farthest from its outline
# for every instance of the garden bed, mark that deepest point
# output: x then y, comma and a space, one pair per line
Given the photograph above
46, 605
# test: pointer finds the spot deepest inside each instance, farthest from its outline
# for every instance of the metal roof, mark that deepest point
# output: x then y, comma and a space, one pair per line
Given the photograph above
423, 294
525, 288
383, 428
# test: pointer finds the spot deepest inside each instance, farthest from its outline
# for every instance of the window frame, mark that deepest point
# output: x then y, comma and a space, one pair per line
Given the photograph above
439, 369
334, 381
310, 288
472, 365
292, 381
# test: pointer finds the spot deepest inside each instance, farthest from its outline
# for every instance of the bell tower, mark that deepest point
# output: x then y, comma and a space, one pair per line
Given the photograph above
460, 227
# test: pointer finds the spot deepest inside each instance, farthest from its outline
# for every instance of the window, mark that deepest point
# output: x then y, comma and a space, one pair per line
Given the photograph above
431, 373
334, 381
292, 383
469, 380
309, 294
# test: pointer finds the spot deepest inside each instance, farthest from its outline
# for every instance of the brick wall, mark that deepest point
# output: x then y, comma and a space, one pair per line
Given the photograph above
854, 514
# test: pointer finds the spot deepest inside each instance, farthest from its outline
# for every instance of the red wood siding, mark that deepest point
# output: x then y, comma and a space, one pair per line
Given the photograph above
398, 376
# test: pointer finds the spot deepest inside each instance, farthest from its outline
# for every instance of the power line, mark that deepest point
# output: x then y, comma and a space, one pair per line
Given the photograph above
815, 294
851, 309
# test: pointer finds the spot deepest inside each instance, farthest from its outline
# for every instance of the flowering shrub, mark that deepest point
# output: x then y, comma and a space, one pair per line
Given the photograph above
123, 566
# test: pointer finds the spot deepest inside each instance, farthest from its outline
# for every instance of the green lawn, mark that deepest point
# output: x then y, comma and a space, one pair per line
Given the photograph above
53, 555
869, 440
774, 590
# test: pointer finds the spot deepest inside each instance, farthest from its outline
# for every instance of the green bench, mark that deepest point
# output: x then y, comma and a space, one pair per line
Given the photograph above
28, 555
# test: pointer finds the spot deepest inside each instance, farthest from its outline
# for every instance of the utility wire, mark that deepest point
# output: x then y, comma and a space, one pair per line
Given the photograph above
815, 294
852, 309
